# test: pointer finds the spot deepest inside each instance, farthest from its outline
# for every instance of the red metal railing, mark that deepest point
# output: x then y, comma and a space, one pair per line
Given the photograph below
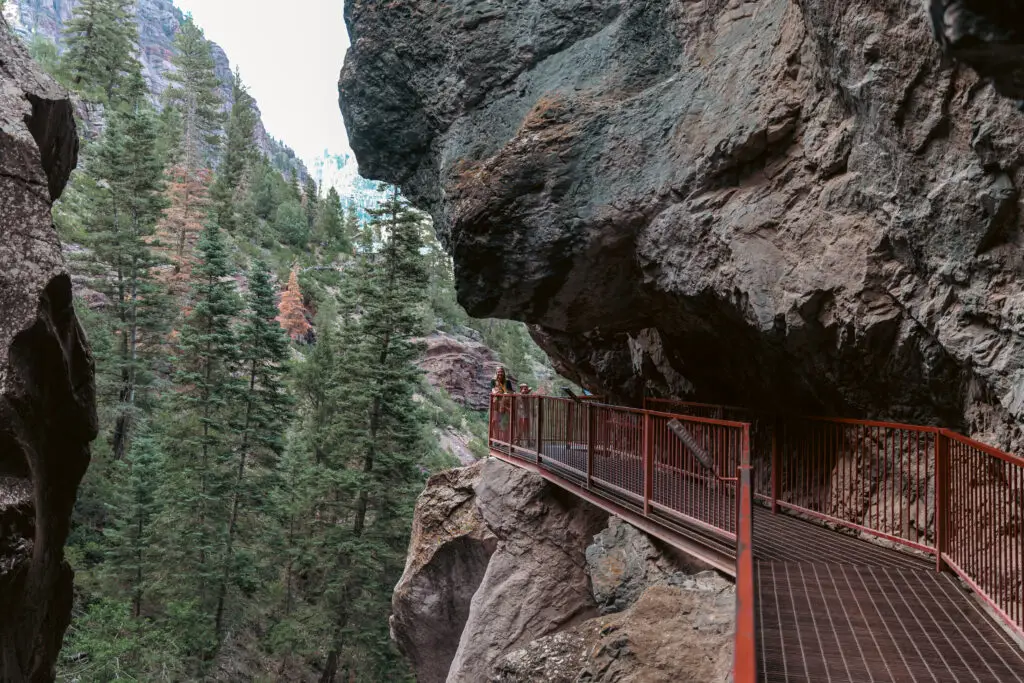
745, 651
980, 521
630, 453
925, 488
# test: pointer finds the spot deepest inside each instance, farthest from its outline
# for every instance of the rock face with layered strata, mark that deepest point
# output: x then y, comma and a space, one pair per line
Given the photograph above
496, 560
804, 205
47, 411
463, 367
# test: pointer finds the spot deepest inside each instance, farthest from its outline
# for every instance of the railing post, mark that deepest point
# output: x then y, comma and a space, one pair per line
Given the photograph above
942, 502
776, 465
745, 669
590, 446
568, 426
490, 425
540, 429
512, 424
648, 442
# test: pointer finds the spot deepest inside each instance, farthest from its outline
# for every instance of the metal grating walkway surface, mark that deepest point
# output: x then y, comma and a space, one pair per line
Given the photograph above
836, 609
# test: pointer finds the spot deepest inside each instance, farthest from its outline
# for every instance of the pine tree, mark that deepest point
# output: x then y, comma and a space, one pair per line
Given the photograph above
330, 226
202, 438
188, 194
264, 350
380, 436
292, 311
101, 37
121, 211
193, 95
290, 224
310, 202
240, 154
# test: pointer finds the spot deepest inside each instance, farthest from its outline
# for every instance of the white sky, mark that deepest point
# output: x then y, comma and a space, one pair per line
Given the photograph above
290, 54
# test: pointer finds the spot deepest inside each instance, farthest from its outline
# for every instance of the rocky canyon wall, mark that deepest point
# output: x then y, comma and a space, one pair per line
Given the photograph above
507, 576
47, 411
808, 205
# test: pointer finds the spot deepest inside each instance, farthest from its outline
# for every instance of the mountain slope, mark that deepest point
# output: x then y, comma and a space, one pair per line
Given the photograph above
158, 21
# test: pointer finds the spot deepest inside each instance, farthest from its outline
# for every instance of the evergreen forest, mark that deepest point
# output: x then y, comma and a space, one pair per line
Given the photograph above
264, 426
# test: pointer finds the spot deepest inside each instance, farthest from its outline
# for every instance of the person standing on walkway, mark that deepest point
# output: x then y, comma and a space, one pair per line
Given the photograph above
501, 386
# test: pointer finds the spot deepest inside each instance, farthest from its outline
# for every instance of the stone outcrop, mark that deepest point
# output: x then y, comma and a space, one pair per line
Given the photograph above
986, 34
47, 411
623, 561
671, 635
507, 576
463, 367
742, 202
496, 560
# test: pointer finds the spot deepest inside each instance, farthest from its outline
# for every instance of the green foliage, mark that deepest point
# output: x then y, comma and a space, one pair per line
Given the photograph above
194, 95
121, 196
240, 154
46, 54
311, 201
290, 224
101, 37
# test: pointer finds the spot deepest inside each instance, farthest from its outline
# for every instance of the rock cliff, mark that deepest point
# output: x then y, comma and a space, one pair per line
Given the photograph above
461, 366
507, 575
47, 412
747, 202
158, 21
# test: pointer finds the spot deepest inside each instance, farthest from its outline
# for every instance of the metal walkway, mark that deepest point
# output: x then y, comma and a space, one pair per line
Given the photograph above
836, 609
815, 603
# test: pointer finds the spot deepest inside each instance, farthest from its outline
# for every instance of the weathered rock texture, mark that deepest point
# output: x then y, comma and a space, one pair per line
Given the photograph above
47, 413
786, 204
623, 562
496, 560
672, 634
461, 366
506, 576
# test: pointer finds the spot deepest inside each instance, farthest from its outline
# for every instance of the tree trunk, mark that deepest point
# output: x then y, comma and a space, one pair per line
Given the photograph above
218, 622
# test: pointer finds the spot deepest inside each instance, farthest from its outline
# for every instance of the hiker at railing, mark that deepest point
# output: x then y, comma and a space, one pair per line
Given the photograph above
501, 386
523, 413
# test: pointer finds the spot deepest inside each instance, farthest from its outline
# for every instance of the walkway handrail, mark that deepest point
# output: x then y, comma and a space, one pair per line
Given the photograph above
925, 488
745, 657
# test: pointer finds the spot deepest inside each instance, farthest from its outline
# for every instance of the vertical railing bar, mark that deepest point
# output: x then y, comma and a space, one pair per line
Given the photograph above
648, 463
942, 500
540, 430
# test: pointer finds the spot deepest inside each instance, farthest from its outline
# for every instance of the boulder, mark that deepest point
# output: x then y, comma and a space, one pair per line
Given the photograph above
449, 551
496, 560
673, 634
623, 562
47, 395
